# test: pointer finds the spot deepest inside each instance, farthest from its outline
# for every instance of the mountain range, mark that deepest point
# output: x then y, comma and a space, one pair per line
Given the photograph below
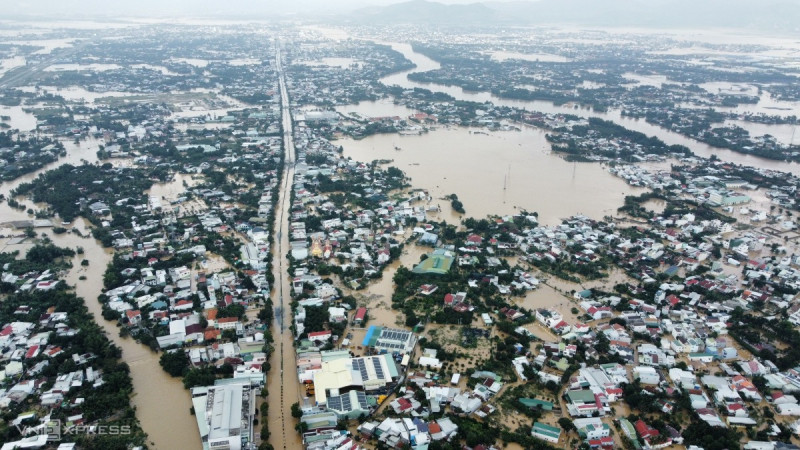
775, 16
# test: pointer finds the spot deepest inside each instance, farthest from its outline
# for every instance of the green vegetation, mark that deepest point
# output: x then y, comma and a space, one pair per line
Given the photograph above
39, 258
456, 204
174, 363
107, 404
67, 188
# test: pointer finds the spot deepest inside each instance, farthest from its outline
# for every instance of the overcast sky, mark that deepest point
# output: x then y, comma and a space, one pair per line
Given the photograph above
185, 8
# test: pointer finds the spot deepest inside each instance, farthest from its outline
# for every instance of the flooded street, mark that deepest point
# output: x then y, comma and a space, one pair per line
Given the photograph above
282, 382
497, 173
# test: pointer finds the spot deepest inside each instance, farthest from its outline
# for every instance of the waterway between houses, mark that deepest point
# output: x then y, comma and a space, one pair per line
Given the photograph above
161, 402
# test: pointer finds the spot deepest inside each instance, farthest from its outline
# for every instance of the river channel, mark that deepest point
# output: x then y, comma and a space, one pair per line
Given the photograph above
425, 64
161, 402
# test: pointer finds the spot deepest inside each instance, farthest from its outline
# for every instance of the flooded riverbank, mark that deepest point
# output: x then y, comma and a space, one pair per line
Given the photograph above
424, 64
161, 402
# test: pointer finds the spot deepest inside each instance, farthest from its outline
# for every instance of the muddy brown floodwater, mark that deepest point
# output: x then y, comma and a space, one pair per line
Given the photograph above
161, 402
424, 64
282, 382
497, 173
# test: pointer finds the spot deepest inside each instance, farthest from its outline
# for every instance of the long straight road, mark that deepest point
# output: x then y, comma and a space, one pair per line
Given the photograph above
21, 75
284, 388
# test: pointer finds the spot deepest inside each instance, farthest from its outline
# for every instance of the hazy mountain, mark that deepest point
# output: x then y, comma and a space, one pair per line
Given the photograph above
427, 12
778, 16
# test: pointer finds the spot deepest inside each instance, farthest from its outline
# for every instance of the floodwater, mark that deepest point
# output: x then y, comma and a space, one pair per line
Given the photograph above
191, 61
377, 297
497, 173
170, 192
77, 153
342, 63
76, 93
766, 105
534, 57
723, 87
546, 296
18, 118
82, 67
784, 133
7, 64
646, 80
173, 189
244, 62
378, 108
282, 382
162, 69
161, 402
48, 45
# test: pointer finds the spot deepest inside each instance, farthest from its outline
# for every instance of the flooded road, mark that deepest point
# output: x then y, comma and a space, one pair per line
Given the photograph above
497, 173
425, 64
282, 382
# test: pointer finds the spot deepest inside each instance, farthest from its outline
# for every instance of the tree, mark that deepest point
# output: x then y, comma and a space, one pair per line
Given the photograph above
296, 411
174, 363
199, 377
566, 424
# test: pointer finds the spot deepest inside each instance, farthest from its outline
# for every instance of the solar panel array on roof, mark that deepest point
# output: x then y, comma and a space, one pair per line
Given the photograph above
362, 400
394, 335
378, 368
358, 364
389, 345
346, 403
335, 403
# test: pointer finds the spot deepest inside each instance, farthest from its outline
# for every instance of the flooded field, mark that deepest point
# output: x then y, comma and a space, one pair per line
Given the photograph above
7, 64
173, 194
379, 108
523, 173
377, 297
47, 45
535, 57
75, 93
18, 118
